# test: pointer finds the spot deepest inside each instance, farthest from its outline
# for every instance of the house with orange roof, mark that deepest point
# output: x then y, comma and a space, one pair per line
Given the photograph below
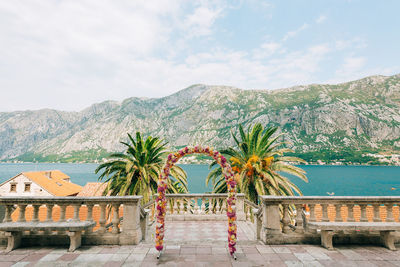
40, 183
92, 189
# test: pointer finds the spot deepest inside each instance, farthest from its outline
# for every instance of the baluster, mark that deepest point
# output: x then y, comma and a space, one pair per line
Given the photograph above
168, 206
223, 208
389, 209
89, 212
21, 217
196, 207
76, 212
115, 220
312, 213
338, 214
286, 219
102, 219
7, 216
176, 210
325, 217
299, 218
350, 212
203, 206
211, 203
181, 206
35, 217
363, 217
376, 217
248, 214
187, 211
49, 212
218, 207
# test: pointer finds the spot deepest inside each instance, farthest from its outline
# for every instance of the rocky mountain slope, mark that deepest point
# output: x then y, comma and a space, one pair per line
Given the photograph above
358, 115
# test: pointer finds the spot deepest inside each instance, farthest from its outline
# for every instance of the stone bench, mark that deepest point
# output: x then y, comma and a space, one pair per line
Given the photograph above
328, 229
13, 231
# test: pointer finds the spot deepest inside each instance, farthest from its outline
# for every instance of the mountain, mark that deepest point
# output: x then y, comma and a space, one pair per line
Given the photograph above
362, 115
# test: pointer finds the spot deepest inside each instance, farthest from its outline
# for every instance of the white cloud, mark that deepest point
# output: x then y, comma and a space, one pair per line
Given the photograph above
200, 22
320, 19
267, 49
68, 55
292, 34
354, 43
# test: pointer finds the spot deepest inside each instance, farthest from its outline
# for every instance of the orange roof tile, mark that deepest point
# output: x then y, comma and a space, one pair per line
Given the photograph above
92, 190
54, 183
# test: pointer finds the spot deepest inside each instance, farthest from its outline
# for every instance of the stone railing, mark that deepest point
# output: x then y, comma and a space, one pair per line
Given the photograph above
284, 219
199, 207
107, 212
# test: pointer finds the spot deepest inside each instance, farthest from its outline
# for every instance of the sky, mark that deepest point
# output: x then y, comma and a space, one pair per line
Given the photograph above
67, 55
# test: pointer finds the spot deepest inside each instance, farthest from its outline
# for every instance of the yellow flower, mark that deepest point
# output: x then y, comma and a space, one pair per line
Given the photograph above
253, 159
268, 161
234, 161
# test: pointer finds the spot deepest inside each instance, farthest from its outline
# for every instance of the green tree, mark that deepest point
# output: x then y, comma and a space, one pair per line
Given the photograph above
136, 170
258, 161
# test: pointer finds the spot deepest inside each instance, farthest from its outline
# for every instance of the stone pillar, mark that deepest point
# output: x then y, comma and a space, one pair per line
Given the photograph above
240, 214
131, 230
271, 222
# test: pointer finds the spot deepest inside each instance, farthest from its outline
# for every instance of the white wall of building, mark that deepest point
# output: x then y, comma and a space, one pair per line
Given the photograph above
20, 182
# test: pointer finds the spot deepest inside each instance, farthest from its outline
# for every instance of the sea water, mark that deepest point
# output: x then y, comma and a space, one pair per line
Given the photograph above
322, 180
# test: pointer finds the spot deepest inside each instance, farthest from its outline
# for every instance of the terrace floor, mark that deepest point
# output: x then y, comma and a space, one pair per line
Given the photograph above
202, 244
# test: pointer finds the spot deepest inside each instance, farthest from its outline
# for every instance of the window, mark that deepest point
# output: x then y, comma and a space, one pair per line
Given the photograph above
27, 187
13, 188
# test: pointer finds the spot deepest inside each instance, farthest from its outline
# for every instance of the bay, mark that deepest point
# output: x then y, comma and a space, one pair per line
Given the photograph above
339, 180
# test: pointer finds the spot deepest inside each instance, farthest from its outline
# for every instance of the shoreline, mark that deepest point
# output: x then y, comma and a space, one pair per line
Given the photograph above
199, 163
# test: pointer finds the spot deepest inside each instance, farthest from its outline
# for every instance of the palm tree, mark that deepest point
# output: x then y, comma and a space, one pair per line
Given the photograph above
136, 171
259, 163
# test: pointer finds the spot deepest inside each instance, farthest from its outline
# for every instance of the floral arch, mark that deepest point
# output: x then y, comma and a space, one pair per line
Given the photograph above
231, 200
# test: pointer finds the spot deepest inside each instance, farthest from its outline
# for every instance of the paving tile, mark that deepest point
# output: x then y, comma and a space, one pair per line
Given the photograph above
9, 258
51, 264
312, 263
20, 264
203, 250
50, 257
6, 263
271, 256
113, 264
250, 250
304, 256
287, 257
89, 250
136, 257
264, 249
34, 257
109, 250
335, 255
68, 257
294, 263
383, 263
217, 251
274, 263
93, 258
351, 255
188, 250
281, 249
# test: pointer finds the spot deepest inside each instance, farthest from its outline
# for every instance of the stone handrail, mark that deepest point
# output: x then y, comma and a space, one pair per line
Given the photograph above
279, 212
199, 206
106, 211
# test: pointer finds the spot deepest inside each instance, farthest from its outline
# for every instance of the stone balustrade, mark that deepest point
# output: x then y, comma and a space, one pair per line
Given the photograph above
199, 207
284, 219
107, 212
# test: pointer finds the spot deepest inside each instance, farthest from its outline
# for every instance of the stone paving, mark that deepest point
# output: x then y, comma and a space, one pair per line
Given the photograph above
202, 246
203, 255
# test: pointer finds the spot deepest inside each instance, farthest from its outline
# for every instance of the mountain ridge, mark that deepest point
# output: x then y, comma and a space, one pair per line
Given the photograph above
360, 115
